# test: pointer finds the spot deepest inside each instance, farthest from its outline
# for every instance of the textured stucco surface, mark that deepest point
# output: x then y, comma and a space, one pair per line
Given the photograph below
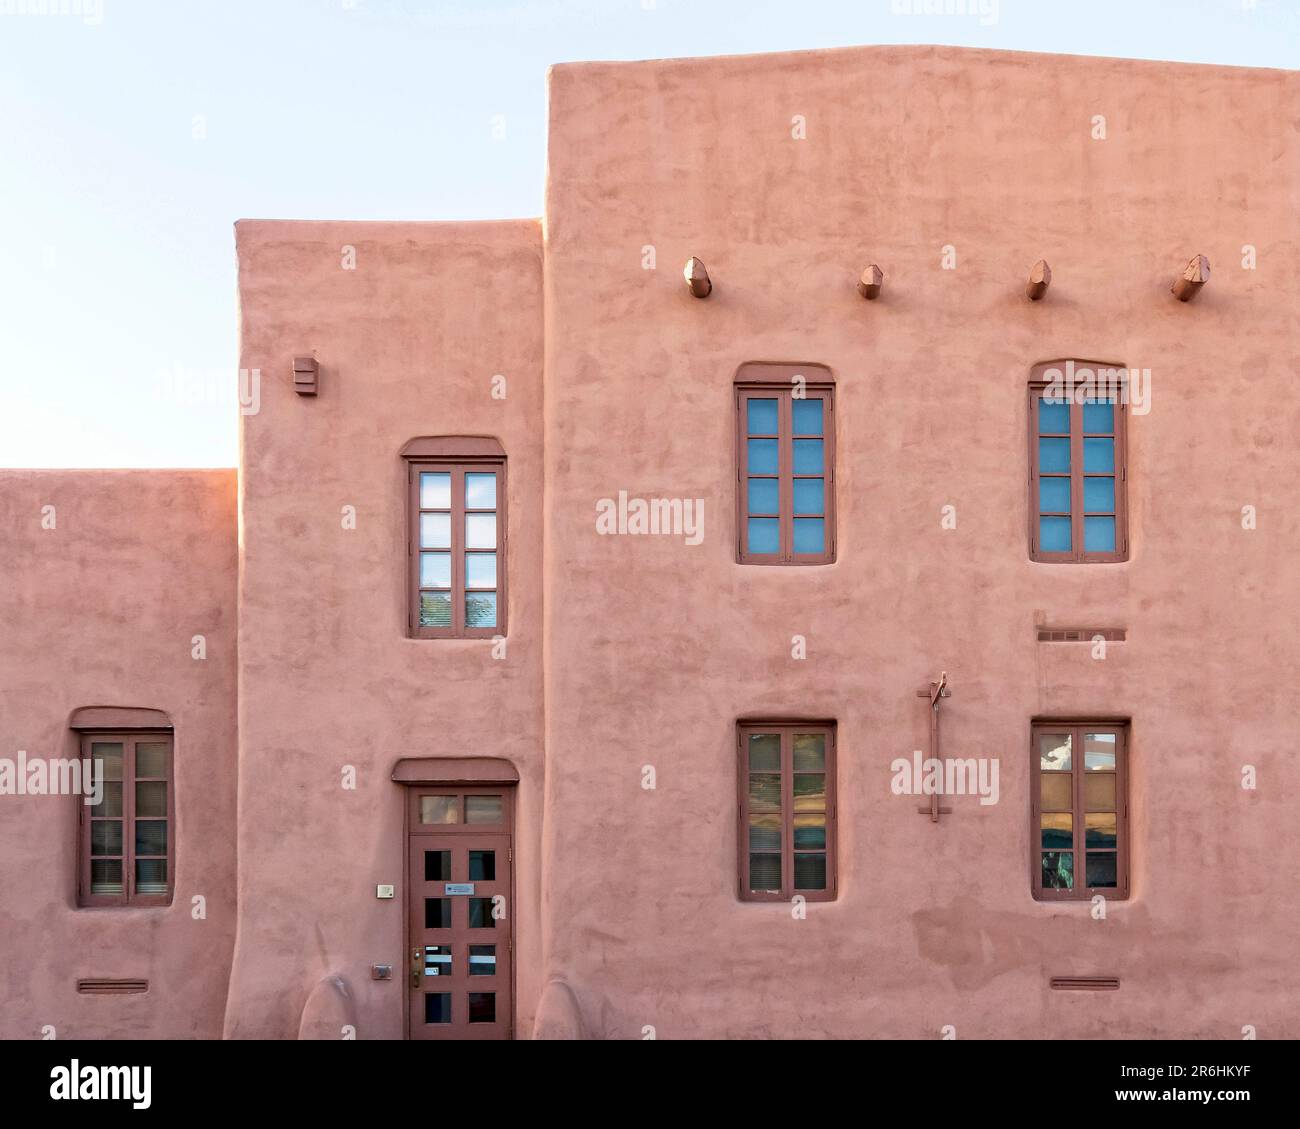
909, 149
408, 345
627, 652
102, 611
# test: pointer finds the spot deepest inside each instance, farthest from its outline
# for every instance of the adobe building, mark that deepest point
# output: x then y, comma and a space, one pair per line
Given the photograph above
566, 655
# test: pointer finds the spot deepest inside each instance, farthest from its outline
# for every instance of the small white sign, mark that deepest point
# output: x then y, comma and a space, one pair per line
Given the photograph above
384, 891
458, 889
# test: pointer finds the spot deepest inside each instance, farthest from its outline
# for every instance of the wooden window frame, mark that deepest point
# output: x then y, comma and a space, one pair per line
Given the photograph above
129, 897
787, 730
762, 381
1078, 810
457, 456
1038, 384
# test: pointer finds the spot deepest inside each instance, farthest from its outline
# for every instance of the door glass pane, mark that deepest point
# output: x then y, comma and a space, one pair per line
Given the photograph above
1099, 534
437, 1007
808, 456
1099, 751
810, 832
1057, 832
761, 417
151, 798
762, 456
439, 809
1058, 870
480, 913
437, 960
106, 876
810, 752
1098, 455
764, 832
480, 531
482, 866
1054, 495
1053, 418
151, 759
764, 535
765, 872
764, 792
810, 792
435, 570
482, 1007
1054, 534
1055, 751
1056, 791
480, 570
1101, 829
151, 876
1054, 456
1099, 495
1102, 870
106, 837
482, 809
807, 417
435, 531
810, 872
1099, 791
809, 535
763, 496
764, 752
150, 837
482, 960
435, 491
437, 866
480, 491
809, 495
437, 913
481, 610
435, 609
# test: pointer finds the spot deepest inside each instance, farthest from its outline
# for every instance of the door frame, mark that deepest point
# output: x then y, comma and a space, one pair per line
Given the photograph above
465, 775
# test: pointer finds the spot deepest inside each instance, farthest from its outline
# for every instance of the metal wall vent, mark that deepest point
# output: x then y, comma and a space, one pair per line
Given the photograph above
1081, 634
103, 987
1085, 983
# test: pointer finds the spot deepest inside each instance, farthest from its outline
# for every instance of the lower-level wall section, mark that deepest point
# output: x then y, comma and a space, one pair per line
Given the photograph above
117, 917
426, 925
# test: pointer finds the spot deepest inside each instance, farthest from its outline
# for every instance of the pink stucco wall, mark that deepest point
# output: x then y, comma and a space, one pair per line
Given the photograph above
654, 649
102, 610
628, 652
408, 345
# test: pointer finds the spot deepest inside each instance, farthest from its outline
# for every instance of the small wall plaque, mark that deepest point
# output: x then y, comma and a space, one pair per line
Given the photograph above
458, 889
384, 891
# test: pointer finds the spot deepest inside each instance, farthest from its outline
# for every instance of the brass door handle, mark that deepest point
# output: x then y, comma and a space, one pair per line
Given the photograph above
415, 968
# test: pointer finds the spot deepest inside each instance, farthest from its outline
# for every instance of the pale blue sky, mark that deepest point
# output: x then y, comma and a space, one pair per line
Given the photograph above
129, 145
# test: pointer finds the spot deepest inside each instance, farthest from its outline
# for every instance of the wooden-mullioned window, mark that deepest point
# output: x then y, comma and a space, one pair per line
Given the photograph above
785, 464
456, 538
126, 842
1078, 467
787, 810
1079, 810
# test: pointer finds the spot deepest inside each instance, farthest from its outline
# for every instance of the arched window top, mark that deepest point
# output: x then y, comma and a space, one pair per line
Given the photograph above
118, 718
455, 448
